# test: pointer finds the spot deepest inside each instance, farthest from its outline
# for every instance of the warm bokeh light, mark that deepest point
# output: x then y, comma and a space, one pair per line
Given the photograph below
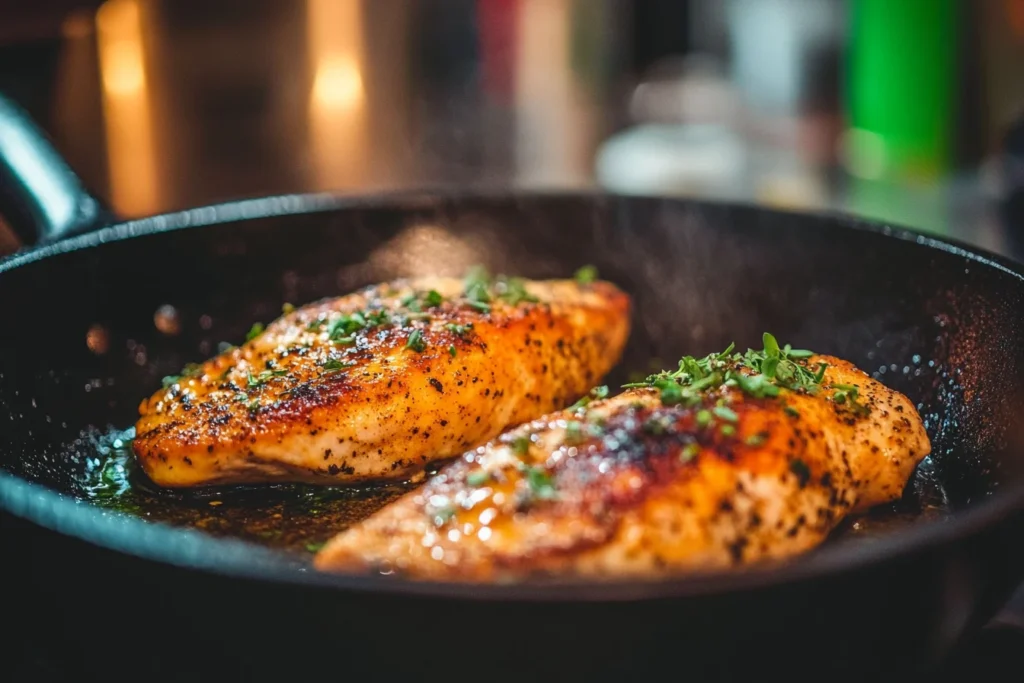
337, 117
134, 186
555, 135
338, 84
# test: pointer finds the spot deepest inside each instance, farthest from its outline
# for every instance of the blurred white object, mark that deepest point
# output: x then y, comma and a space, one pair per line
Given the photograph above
685, 143
701, 159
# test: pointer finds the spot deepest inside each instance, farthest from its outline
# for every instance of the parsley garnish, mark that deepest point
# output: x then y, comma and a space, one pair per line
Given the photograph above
190, 370
573, 432
452, 351
689, 452
478, 478
521, 446
335, 364
480, 289
541, 484
443, 514
475, 285
595, 393
760, 374
314, 546
755, 439
264, 377
254, 331
848, 394
585, 275
727, 414
513, 290
461, 330
416, 342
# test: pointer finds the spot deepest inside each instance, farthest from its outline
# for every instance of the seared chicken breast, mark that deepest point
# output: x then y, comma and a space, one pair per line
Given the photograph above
732, 459
379, 383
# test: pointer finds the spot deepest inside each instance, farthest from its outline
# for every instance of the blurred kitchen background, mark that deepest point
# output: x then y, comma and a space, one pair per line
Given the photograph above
909, 111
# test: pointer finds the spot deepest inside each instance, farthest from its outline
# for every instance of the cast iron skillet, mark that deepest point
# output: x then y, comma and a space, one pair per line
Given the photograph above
107, 593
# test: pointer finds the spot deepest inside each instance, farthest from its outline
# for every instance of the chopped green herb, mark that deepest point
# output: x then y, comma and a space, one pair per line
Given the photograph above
727, 414
689, 452
521, 445
461, 330
755, 439
190, 370
759, 374
254, 331
480, 289
254, 405
513, 290
433, 298
573, 432
791, 411
595, 393
478, 478
475, 286
727, 430
541, 484
264, 377
335, 364
585, 275
316, 324
315, 546
416, 342
287, 308
442, 515
452, 351
411, 301
848, 393
703, 418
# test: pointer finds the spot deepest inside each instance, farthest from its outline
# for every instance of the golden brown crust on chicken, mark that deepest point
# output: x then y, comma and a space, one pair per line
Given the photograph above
630, 486
379, 383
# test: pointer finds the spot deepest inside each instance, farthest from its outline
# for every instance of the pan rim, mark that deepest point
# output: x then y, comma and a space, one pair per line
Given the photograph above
163, 543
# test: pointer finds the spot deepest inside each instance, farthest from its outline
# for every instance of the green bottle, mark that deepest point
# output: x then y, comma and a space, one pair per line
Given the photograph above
901, 88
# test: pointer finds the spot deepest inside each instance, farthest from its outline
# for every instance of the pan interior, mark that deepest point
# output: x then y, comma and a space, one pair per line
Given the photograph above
88, 334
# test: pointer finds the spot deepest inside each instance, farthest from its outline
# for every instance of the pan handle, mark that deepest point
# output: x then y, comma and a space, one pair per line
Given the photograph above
41, 198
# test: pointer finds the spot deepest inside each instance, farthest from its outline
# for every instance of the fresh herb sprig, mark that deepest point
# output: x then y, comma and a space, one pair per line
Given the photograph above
596, 393
481, 289
585, 275
190, 370
759, 373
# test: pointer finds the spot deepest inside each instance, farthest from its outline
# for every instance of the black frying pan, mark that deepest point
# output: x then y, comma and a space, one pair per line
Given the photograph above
108, 594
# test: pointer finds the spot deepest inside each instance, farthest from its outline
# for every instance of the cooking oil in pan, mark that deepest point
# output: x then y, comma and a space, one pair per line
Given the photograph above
292, 517
299, 518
